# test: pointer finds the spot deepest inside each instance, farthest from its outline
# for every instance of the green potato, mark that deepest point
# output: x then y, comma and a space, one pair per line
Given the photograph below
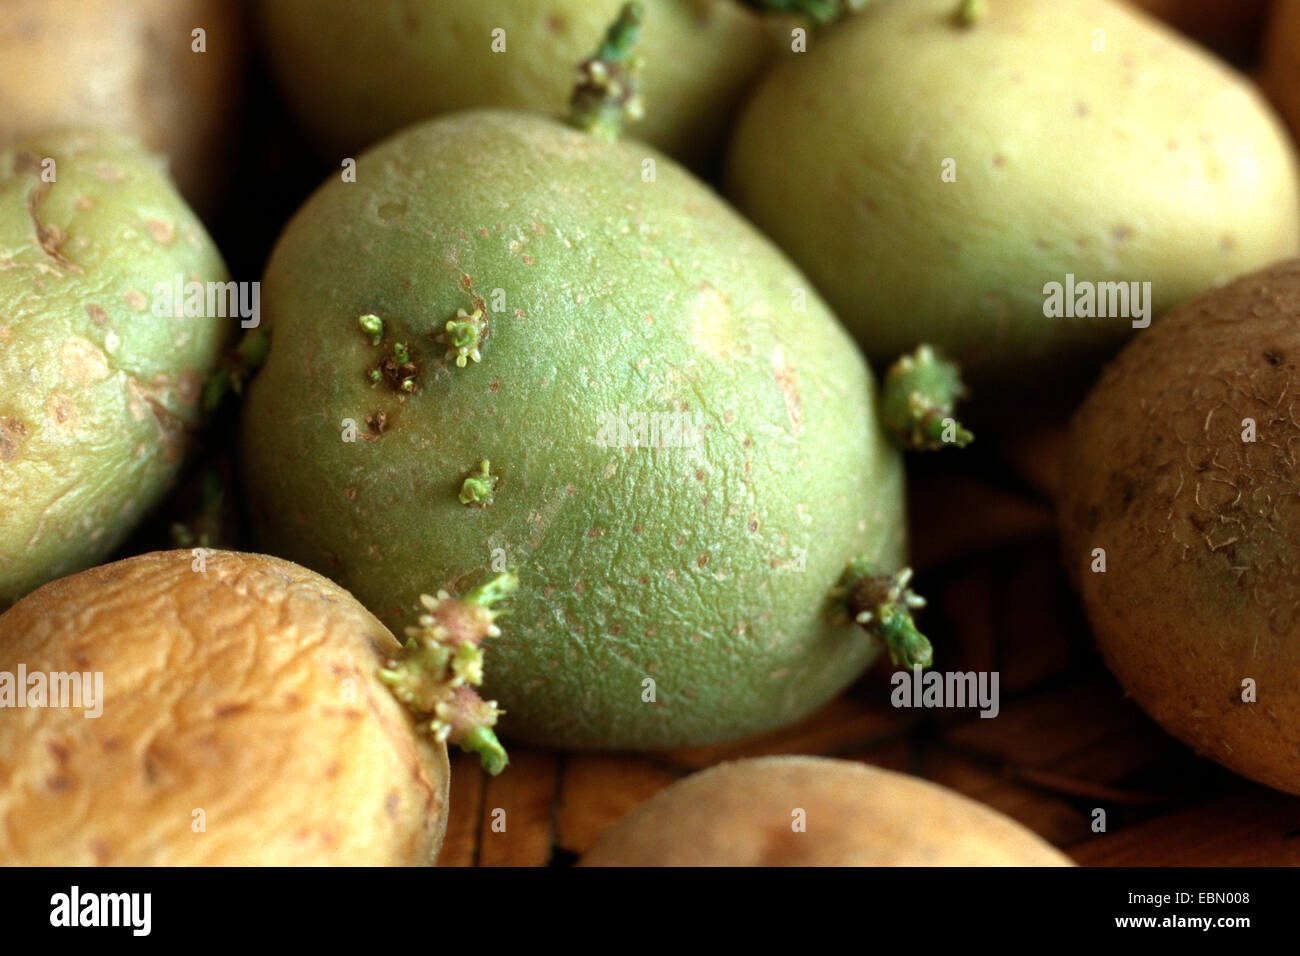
677, 578
355, 72
97, 393
932, 177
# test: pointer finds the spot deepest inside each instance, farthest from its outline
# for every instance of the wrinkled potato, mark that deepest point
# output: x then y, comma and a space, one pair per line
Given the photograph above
127, 65
242, 723
1282, 61
611, 294
1181, 477
749, 813
98, 394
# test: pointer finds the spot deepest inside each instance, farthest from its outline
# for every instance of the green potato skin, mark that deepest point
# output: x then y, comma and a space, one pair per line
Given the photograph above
1148, 162
356, 72
97, 394
676, 564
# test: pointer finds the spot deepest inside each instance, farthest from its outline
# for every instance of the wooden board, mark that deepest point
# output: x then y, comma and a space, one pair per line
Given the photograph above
1066, 744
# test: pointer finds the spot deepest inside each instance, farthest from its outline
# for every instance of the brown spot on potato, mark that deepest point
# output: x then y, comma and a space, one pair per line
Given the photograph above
61, 412
163, 232
13, 434
97, 315
136, 300
788, 383
171, 428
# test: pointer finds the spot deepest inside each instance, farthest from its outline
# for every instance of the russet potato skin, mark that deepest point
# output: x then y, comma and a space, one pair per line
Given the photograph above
356, 72
248, 692
743, 813
707, 567
99, 396
1201, 529
1111, 166
127, 65
1282, 61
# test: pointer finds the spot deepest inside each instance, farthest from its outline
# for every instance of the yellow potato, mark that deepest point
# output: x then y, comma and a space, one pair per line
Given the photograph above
126, 65
242, 723
748, 813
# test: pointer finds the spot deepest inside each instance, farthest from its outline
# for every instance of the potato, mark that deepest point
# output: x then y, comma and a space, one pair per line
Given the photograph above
98, 394
679, 583
815, 811
242, 723
1182, 470
1282, 61
127, 65
355, 72
933, 179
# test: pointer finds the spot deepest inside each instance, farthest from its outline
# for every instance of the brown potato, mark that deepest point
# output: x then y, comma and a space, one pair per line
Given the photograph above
1282, 61
242, 723
127, 65
1182, 475
746, 813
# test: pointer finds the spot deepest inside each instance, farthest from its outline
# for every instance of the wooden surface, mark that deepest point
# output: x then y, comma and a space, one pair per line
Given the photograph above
1066, 742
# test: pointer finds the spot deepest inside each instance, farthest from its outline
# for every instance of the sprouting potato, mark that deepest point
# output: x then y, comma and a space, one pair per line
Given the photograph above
232, 714
933, 177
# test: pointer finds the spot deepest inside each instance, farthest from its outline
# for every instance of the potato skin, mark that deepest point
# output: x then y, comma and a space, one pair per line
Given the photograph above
705, 568
1201, 529
225, 691
97, 394
356, 72
1282, 61
1112, 166
127, 65
741, 814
